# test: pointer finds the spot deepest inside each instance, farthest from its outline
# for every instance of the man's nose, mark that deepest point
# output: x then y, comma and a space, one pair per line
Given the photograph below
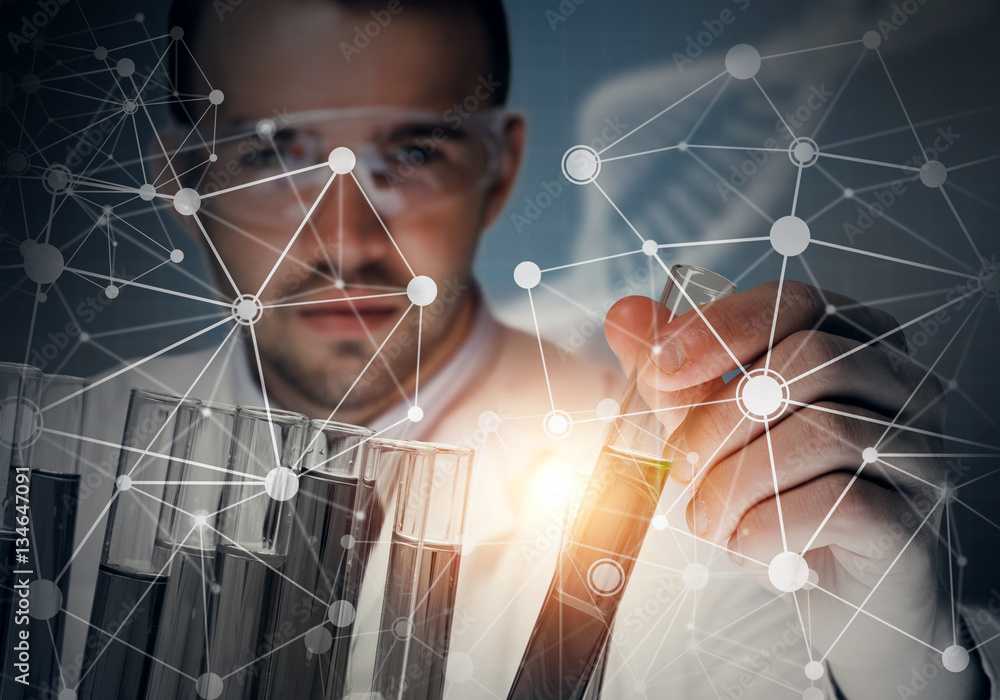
347, 228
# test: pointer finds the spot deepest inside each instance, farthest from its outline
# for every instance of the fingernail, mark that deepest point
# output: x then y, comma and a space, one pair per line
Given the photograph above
735, 553
697, 517
669, 355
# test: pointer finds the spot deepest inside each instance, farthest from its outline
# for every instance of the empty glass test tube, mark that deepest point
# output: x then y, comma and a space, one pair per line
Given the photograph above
132, 578
424, 558
187, 537
574, 625
252, 547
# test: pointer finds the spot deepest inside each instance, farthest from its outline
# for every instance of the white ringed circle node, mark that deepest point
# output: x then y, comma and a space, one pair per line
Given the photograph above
581, 165
762, 395
803, 152
605, 577
247, 310
557, 424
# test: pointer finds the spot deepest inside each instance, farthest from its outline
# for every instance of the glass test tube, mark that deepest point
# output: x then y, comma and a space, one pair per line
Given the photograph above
317, 564
424, 558
383, 460
252, 548
573, 627
55, 493
187, 537
132, 578
18, 400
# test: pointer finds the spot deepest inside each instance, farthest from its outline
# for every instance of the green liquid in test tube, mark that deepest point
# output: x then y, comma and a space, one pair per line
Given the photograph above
572, 630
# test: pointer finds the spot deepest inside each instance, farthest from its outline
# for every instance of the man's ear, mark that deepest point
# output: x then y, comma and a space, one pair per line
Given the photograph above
510, 165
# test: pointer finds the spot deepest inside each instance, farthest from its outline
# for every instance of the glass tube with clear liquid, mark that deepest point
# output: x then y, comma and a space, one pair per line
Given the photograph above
187, 537
55, 492
316, 566
252, 548
132, 579
573, 628
424, 559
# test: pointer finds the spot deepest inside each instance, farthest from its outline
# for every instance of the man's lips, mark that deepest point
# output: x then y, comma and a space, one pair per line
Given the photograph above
348, 317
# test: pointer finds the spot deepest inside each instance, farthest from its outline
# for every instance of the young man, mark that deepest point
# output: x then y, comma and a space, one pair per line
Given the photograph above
420, 105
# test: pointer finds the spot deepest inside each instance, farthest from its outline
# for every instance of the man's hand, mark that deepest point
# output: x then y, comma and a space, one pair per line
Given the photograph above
783, 466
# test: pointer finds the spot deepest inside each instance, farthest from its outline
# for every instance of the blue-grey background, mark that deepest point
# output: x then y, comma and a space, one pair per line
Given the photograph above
584, 71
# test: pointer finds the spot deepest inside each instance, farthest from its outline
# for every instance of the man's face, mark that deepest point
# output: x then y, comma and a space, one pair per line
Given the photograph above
275, 59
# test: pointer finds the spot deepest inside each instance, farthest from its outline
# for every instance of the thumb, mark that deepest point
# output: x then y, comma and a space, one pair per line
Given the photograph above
627, 328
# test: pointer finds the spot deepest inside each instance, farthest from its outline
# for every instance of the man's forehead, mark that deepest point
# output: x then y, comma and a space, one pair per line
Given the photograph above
274, 56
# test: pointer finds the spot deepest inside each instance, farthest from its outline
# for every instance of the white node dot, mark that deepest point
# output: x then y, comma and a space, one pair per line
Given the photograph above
803, 152
790, 236
124, 482
318, 640
130, 106
870, 455
830, 309
812, 694
111, 291
489, 421
660, 522
177, 33
871, 39
216, 97
147, 192
692, 457
989, 280
422, 290
581, 165
31, 83
342, 160
208, 686
814, 670
415, 414
46, 599
43, 262
340, 284
788, 572
42, 297
85, 337
933, 173
606, 577
281, 484
527, 275
608, 410
125, 67
460, 667
557, 424
201, 520
682, 146
955, 658
100, 53
650, 247
140, 17
743, 61
66, 694
212, 157
761, 396
176, 255
849, 193
341, 613
187, 202
247, 310
695, 576
467, 545
348, 542
266, 128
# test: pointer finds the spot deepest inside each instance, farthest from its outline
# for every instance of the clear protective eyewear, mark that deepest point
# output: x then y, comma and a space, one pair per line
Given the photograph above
407, 160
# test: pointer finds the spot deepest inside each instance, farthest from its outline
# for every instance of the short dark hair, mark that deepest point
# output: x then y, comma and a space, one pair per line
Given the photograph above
187, 15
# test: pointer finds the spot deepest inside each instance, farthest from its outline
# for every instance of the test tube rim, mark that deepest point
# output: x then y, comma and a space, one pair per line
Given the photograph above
274, 415
346, 429
729, 284
165, 397
27, 371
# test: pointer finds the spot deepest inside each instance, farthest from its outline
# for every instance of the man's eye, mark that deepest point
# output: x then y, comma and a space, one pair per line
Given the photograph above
413, 154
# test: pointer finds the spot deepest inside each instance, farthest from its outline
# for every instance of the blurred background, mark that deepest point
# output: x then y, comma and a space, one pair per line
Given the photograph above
585, 72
